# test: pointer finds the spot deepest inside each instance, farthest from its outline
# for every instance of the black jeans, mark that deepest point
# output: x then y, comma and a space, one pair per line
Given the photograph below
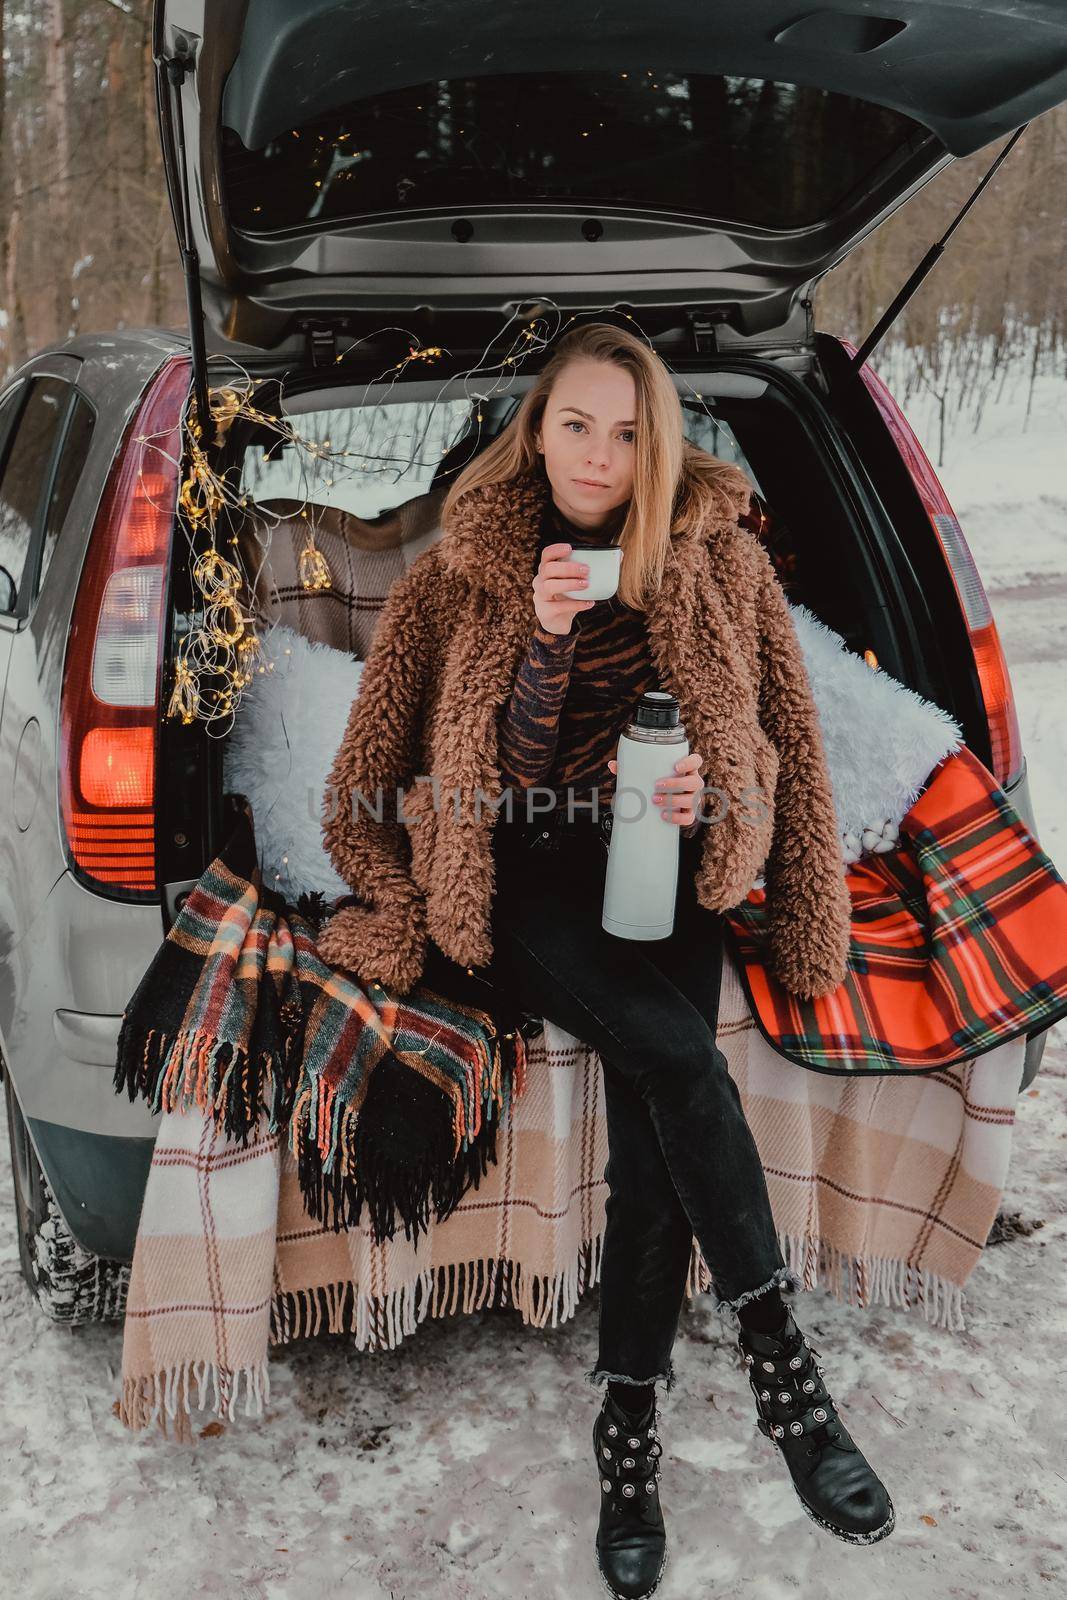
681, 1157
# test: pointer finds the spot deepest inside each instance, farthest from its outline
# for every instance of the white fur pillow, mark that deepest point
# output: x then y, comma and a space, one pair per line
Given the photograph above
287, 731
882, 740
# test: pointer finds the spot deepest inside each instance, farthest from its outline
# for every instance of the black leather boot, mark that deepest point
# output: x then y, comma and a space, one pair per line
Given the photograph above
631, 1541
834, 1482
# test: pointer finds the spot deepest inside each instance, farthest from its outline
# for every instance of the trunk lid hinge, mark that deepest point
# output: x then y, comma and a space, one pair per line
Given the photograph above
170, 75
929, 260
322, 344
702, 330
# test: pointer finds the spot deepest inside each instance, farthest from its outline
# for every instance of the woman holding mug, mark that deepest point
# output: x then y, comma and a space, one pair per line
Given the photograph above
531, 688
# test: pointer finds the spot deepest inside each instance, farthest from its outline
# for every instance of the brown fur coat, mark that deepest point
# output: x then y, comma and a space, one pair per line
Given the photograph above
447, 648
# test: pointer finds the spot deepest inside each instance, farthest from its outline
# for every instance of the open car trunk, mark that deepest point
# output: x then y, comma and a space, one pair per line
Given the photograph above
350, 180
857, 564
337, 167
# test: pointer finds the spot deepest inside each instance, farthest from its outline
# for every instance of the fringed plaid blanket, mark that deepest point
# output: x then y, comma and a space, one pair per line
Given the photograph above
958, 943
885, 1170
884, 1190
390, 1101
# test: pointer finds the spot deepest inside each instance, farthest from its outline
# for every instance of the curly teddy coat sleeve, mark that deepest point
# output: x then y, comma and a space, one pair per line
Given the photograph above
383, 939
808, 904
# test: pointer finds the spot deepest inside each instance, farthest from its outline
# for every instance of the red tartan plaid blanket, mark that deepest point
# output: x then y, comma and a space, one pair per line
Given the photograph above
959, 941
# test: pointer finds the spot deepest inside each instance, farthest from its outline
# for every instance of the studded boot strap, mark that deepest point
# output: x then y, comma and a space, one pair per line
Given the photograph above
628, 1460
791, 1398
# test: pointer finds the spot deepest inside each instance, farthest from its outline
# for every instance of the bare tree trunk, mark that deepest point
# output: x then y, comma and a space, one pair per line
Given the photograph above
1034, 364
5, 308
60, 219
151, 166
117, 92
162, 239
16, 320
3, 82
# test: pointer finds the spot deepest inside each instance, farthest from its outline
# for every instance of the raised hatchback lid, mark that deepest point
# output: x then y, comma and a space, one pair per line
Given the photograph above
351, 161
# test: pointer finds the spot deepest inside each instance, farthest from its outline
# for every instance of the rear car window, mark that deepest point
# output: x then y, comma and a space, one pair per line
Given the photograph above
742, 149
389, 454
394, 451
25, 471
711, 433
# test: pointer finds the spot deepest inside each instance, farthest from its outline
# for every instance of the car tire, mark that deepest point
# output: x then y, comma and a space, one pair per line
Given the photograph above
71, 1284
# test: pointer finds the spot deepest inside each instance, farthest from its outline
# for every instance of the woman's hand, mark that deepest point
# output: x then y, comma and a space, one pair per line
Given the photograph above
556, 572
681, 789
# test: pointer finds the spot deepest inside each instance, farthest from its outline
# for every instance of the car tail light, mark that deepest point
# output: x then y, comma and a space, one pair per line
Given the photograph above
109, 706
992, 669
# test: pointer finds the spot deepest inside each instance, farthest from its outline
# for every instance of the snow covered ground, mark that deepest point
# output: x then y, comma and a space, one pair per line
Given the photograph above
459, 1466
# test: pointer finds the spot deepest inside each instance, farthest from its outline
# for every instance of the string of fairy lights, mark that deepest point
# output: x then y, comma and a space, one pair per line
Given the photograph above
223, 649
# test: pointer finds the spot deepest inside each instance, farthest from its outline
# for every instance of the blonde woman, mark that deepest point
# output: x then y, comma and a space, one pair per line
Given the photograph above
485, 676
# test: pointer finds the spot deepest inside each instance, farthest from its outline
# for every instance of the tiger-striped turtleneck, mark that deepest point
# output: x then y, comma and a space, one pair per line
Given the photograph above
575, 692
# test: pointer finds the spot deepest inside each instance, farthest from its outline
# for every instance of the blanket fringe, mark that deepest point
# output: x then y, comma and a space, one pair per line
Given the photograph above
176, 1071
545, 1299
859, 1281
342, 1165
164, 1397
381, 1322
410, 1140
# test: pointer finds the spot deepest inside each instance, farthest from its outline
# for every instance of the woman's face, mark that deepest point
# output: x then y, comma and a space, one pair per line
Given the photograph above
587, 437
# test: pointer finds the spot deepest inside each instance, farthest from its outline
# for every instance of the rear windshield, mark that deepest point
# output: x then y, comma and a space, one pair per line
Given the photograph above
739, 149
384, 456
381, 456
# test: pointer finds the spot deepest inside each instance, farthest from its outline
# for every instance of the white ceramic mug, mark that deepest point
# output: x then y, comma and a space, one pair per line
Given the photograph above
604, 562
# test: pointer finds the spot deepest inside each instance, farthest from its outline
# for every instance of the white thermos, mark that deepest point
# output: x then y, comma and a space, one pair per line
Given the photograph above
641, 882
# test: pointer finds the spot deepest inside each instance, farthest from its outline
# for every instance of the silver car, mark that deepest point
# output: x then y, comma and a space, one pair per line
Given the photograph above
348, 190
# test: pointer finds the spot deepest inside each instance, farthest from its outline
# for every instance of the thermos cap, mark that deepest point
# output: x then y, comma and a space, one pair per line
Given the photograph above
657, 709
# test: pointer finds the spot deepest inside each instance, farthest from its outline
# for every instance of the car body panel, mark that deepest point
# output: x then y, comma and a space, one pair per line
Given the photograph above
33, 855
64, 984
99, 1184
63, 948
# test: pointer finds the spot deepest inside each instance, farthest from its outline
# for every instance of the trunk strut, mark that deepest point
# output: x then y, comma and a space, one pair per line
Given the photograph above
929, 260
172, 72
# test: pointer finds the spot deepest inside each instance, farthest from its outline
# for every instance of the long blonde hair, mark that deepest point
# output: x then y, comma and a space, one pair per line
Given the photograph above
676, 485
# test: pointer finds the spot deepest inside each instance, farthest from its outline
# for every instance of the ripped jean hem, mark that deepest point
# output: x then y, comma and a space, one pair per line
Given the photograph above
602, 1375
784, 1278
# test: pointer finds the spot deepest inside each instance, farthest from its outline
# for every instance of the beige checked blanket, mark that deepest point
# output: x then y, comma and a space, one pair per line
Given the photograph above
884, 1189
364, 558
